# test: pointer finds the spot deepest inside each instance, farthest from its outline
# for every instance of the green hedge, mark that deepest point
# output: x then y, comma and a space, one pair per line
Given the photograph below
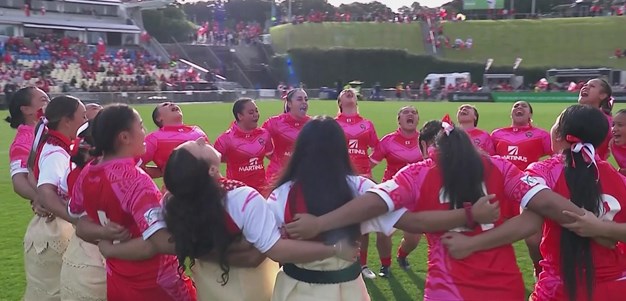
317, 68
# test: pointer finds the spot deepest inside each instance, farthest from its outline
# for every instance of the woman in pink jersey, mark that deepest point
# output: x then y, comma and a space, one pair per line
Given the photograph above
399, 149
284, 129
25, 109
435, 187
618, 143
244, 146
360, 137
581, 267
598, 94
208, 214
523, 144
467, 116
172, 132
113, 190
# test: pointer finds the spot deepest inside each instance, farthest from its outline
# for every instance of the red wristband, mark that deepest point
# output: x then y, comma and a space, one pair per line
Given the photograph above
468, 215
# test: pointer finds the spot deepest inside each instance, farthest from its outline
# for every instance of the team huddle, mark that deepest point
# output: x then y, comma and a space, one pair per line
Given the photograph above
298, 228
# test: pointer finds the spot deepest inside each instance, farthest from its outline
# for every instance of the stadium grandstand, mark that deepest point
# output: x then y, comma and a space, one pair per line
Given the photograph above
83, 45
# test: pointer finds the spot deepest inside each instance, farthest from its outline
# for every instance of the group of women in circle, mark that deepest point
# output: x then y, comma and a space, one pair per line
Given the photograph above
87, 171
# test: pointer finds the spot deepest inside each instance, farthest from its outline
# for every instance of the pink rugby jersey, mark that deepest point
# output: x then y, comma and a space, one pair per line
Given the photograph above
486, 275
284, 130
360, 136
399, 150
522, 145
609, 264
244, 154
20, 149
121, 192
619, 153
482, 139
161, 143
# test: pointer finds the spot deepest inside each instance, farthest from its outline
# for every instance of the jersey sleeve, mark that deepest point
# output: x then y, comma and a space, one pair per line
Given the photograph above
203, 134
380, 152
490, 147
53, 168
151, 147
518, 187
403, 190
373, 136
18, 158
268, 125
143, 203
547, 144
269, 145
221, 145
255, 218
75, 206
360, 185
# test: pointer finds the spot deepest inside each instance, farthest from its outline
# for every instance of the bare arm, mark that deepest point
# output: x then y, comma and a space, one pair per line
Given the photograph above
431, 221
48, 197
460, 246
92, 232
153, 171
551, 205
294, 251
23, 187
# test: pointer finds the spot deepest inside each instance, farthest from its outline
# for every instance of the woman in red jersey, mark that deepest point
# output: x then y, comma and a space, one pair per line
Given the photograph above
208, 214
113, 189
360, 137
523, 144
467, 116
244, 146
284, 129
582, 264
435, 187
399, 149
618, 143
598, 94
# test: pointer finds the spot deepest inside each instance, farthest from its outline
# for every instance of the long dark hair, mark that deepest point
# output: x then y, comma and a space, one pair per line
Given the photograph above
320, 165
59, 107
589, 125
457, 155
112, 120
429, 132
194, 211
605, 104
21, 98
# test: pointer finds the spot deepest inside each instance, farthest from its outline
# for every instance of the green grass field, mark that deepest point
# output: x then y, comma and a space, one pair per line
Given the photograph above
573, 42
215, 118
564, 42
348, 35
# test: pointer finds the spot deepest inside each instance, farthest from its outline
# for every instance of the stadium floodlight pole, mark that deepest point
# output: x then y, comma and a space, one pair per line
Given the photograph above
289, 32
532, 7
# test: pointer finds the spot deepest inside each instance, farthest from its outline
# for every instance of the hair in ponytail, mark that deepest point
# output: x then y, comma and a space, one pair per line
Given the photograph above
21, 98
112, 120
457, 155
588, 125
428, 133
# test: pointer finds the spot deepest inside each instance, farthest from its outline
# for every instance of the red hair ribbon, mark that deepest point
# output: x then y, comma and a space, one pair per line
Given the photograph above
587, 149
447, 124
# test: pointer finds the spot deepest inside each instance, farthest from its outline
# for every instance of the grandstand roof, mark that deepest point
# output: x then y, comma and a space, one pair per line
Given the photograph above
69, 22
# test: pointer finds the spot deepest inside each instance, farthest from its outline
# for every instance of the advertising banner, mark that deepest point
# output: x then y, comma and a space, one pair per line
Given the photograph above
565, 97
483, 4
469, 97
